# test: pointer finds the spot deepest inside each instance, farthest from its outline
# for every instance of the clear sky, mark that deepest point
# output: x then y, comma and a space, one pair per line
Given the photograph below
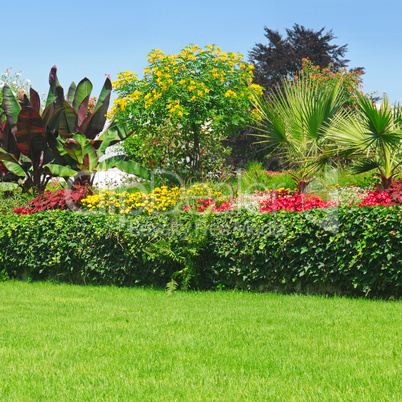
91, 38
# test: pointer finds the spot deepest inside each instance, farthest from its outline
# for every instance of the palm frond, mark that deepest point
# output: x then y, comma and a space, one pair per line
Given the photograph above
366, 165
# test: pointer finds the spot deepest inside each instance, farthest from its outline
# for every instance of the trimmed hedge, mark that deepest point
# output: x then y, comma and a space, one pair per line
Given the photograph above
356, 251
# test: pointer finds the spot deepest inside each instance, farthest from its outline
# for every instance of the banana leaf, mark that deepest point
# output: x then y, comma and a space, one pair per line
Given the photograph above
15, 168
82, 94
30, 135
130, 167
53, 82
71, 93
59, 170
34, 100
11, 107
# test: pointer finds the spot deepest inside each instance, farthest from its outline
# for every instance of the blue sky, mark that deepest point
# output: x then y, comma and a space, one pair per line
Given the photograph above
91, 38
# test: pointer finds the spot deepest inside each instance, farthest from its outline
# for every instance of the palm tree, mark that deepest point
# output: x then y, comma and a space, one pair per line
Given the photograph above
373, 136
296, 118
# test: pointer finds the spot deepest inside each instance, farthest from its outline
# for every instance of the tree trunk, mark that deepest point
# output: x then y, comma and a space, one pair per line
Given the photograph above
196, 162
386, 182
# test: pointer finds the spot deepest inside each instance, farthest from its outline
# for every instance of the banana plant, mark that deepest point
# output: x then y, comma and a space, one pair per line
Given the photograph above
83, 156
76, 142
64, 140
23, 139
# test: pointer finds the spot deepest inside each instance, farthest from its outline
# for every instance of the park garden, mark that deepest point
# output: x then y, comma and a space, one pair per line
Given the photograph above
256, 275
328, 220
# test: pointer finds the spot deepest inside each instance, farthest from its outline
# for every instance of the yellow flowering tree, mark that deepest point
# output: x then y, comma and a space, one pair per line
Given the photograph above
203, 93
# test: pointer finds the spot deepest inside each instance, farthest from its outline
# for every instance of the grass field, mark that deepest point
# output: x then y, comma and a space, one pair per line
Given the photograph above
61, 342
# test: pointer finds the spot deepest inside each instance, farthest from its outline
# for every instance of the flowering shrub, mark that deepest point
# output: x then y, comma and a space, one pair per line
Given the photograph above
350, 81
347, 195
61, 199
202, 93
296, 202
204, 204
376, 198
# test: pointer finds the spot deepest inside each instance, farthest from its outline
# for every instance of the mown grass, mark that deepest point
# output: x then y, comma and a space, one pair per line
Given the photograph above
85, 343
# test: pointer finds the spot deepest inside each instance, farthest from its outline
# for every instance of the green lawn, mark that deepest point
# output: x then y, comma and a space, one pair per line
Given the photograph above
61, 342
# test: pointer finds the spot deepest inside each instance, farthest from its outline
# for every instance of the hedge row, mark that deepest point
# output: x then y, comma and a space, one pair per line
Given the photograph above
356, 251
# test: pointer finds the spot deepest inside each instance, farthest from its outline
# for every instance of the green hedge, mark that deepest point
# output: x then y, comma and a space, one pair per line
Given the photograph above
343, 250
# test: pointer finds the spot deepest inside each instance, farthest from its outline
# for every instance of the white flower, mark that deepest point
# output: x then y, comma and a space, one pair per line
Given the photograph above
2, 84
4, 75
18, 74
28, 82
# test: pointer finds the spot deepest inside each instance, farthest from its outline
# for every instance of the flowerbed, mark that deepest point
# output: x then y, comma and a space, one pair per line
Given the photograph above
160, 199
202, 198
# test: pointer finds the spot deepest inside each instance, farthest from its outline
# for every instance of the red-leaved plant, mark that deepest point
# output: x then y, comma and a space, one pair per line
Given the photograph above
61, 199
395, 192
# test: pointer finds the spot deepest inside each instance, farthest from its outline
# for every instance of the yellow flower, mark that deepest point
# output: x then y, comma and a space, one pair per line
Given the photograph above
229, 93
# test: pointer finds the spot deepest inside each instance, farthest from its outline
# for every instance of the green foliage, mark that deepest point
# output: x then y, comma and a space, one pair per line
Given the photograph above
296, 119
15, 82
255, 177
13, 199
202, 93
371, 136
61, 140
161, 148
346, 177
331, 76
350, 250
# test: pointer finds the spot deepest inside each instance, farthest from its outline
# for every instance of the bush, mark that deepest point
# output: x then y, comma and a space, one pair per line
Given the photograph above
60, 199
349, 250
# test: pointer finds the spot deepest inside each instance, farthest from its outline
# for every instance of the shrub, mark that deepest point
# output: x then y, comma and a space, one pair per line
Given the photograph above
61, 199
376, 198
184, 106
349, 250
395, 192
296, 202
